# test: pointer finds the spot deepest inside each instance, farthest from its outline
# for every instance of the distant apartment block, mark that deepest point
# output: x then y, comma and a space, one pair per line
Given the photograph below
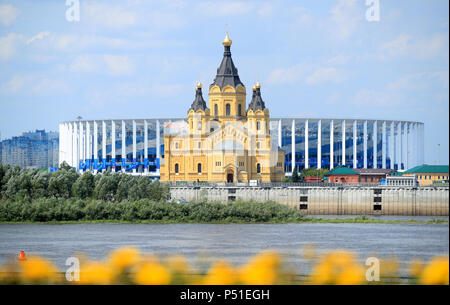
38, 149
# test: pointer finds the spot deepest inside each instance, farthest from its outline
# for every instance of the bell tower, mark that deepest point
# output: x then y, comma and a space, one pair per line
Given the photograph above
227, 93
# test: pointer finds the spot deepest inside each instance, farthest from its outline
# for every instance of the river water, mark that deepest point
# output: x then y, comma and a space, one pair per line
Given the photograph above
234, 242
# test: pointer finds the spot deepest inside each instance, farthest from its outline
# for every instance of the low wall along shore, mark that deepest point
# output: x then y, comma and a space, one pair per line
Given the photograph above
380, 200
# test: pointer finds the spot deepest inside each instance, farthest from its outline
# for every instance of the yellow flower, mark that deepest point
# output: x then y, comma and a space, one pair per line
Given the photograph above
97, 273
152, 273
436, 273
37, 269
352, 275
263, 269
221, 273
415, 267
124, 257
338, 267
178, 263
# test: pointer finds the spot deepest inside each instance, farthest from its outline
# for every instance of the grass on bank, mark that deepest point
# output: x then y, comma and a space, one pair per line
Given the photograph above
66, 211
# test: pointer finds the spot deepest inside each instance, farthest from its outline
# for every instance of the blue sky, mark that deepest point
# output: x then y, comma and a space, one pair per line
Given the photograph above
142, 59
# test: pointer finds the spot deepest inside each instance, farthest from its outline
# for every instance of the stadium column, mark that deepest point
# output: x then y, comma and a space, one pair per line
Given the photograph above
383, 145
124, 146
375, 142
399, 146
113, 146
80, 145
88, 146
332, 144
319, 144
343, 143
355, 144
406, 134
306, 144
103, 145
145, 147
365, 144
134, 146
75, 146
69, 144
158, 145
293, 145
422, 144
95, 147
392, 145
279, 134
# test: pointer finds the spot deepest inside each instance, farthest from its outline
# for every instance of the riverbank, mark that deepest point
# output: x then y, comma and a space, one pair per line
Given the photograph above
306, 220
60, 211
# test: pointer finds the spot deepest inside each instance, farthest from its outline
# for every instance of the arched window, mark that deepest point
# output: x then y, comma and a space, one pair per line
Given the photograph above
239, 110
258, 168
176, 168
199, 168
199, 126
258, 125
216, 110
228, 110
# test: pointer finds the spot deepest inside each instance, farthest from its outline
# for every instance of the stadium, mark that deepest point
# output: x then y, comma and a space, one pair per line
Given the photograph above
136, 145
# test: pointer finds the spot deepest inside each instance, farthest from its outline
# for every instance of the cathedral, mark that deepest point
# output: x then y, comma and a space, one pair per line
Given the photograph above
227, 141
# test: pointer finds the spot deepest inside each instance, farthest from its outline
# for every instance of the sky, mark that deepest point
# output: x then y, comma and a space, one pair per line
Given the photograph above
142, 59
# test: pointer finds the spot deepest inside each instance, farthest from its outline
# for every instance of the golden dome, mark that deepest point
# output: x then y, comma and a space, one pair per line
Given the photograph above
199, 84
227, 41
254, 88
258, 85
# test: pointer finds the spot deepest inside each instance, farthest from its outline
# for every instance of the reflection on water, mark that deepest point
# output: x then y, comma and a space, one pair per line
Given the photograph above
234, 242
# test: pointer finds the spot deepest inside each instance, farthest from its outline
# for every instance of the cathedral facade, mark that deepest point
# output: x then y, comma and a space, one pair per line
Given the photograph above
224, 141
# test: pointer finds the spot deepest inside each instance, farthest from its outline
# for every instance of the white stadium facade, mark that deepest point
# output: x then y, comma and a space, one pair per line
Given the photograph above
137, 146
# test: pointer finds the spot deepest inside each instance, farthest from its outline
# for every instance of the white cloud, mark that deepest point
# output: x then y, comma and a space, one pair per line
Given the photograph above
396, 47
420, 81
85, 63
302, 18
374, 98
109, 16
415, 47
325, 75
34, 84
224, 8
39, 36
14, 85
8, 14
285, 75
47, 86
265, 9
340, 59
118, 65
8, 45
346, 15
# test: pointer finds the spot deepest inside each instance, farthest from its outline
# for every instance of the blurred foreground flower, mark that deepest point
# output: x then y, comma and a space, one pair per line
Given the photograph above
128, 266
38, 270
436, 273
338, 268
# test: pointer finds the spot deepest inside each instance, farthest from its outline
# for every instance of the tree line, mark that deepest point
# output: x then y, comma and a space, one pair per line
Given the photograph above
27, 185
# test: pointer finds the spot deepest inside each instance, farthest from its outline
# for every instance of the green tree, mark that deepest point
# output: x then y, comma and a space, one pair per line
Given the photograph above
84, 186
295, 177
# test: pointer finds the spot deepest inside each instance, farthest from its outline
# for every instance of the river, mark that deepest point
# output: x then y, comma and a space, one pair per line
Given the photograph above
234, 242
